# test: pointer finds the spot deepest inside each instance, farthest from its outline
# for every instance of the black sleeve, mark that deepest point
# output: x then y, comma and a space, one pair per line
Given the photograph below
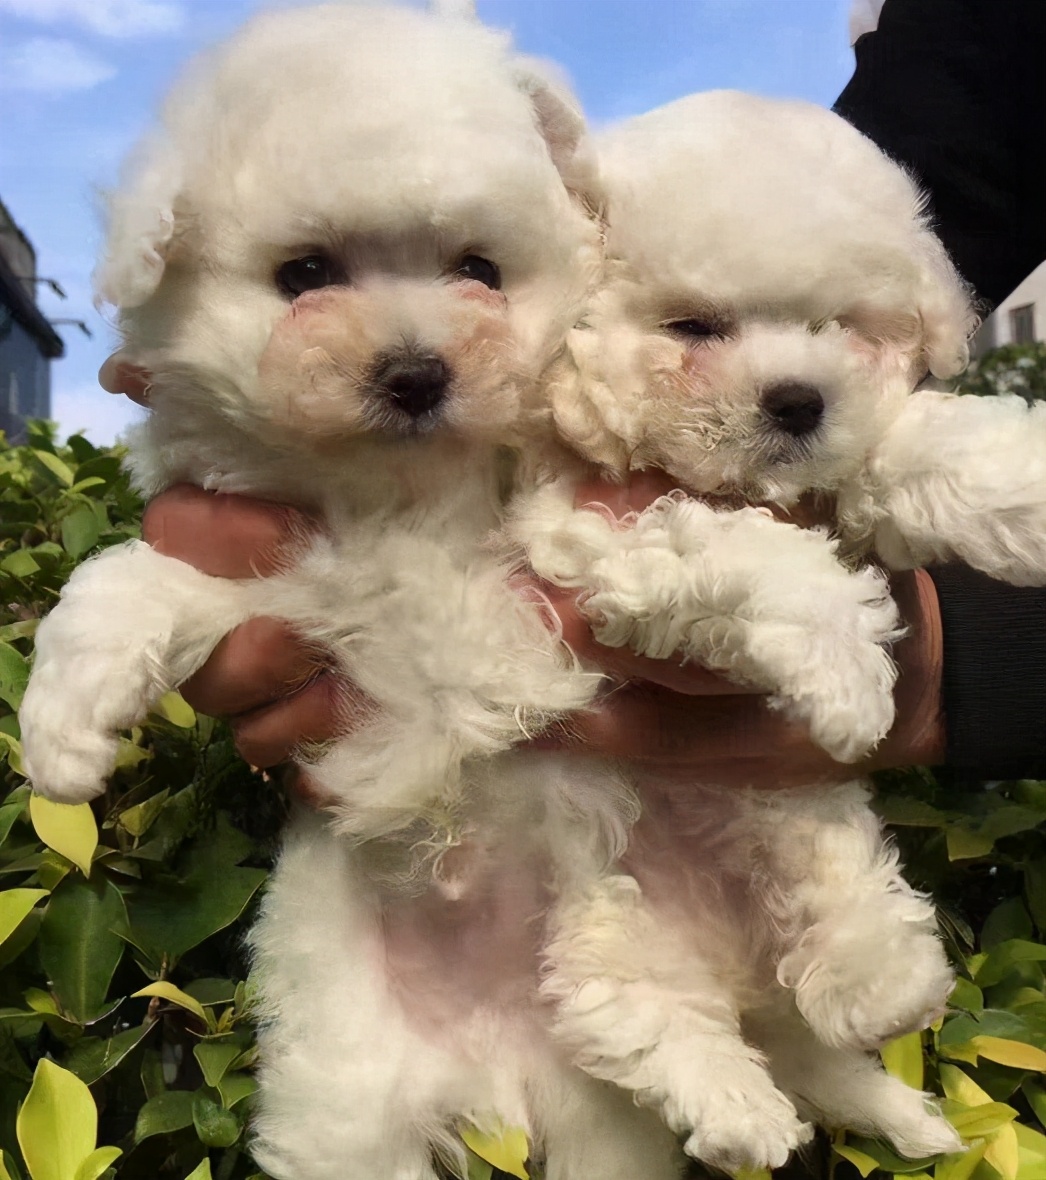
956, 91
994, 690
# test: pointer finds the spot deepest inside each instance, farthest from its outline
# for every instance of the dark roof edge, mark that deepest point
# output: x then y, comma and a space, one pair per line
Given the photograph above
28, 314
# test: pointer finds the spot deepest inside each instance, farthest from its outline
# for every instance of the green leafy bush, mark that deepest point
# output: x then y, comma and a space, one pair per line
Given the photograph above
1010, 368
125, 1011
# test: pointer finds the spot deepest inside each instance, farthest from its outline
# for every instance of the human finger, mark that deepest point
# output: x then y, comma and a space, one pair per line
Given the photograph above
323, 709
261, 661
223, 535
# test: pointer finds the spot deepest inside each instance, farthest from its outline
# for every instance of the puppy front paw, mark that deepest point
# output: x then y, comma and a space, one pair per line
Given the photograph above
68, 766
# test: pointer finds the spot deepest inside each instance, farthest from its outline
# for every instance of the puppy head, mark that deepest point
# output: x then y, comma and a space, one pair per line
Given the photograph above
352, 223
772, 290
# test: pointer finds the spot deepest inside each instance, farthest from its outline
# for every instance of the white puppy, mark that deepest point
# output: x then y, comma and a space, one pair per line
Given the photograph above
347, 257
773, 296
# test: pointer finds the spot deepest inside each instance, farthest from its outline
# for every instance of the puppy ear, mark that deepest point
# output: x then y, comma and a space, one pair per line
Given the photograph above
946, 311
588, 416
140, 226
562, 125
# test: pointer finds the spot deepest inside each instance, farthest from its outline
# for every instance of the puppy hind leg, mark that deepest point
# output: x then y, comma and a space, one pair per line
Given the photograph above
636, 1013
846, 1088
592, 1130
862, 952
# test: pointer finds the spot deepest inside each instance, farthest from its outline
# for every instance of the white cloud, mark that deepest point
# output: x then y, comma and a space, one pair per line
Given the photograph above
50, 65
108, 18
102, 416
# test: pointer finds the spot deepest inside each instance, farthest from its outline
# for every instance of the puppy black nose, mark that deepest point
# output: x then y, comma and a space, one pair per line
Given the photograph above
417, 384
795, 408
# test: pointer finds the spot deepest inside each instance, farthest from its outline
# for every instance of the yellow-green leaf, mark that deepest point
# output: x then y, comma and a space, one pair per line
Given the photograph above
57, 1125
959, 1086
1003, 1152
978, 1122
4, 1173
175, 995
67, 828
202, 1171
15, 905
506, 1149
755, 1174
1031, 1153
863, 1163
55, 466
1013, 1053
961, 1165
97, 1162
903, 1059
174, 709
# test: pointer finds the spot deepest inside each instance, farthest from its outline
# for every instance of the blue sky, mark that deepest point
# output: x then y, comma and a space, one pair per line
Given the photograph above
79, 79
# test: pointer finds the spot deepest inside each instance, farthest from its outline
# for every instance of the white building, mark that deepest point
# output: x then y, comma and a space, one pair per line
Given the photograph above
1019, 319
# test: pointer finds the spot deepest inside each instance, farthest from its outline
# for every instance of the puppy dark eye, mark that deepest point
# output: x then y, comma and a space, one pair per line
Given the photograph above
308, 274
479, 269
696, 329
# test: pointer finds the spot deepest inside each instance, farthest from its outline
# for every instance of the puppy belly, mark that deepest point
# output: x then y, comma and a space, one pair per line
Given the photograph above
384, 1019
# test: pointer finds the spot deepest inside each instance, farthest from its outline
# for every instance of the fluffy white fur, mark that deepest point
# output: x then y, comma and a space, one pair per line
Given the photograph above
399, 943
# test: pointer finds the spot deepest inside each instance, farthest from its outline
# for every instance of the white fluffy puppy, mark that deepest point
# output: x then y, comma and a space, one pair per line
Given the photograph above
773, 296
346, 255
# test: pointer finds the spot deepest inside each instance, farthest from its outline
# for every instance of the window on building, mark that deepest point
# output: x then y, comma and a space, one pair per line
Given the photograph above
1022, 324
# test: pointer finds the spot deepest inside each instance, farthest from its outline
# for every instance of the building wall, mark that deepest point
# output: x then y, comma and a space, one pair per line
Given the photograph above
1000, 326
25, 378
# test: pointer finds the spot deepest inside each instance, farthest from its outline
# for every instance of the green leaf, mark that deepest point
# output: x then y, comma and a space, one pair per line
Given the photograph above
58, 469
235, 1087
966, 995
80, 530
977, 1122
1035, 891
79, 946
57, 1125
164, 1113
968, 843
12, 808
215, 1057
1006, 956
961, 1165
903, 1058
69, 829
1007, 921
863, 1163
138, 819
93, 1057
175, 710
174, 995
202, 1171
209, 894
1035, 1092
13, 748
477, 1169
21, 564
14, 675
97, 1162
15, 905
215, 1126
81, 485
886, 1158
